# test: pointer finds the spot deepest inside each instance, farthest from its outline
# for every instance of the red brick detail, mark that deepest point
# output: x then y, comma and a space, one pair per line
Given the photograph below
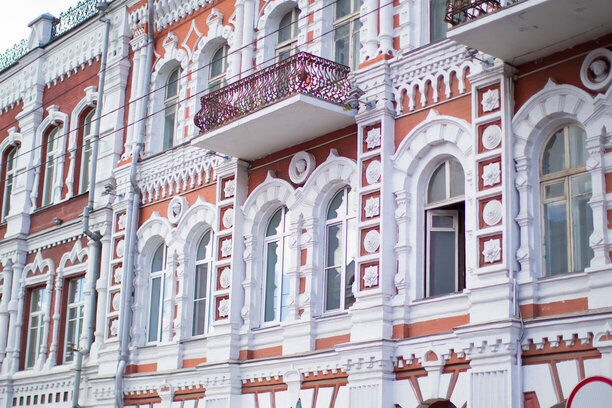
330, 342
554, 308
275, 351
192, 362
426, 328
141, 368
302, 285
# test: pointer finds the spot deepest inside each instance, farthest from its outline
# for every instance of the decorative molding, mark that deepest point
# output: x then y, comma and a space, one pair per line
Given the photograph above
372, 138
371, 241
229, 189
301, 166
491, 174
168, 12
226, 247
596, 70
177, 208
492, 212
228, 218
492, 250
225, 278
373, 171
372, 207
490, 100
370, 276
491, 137
224, 307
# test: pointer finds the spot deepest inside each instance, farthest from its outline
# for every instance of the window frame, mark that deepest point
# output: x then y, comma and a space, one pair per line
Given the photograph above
564, 176
345, 221
287, 48
171, 108
432, 17
159, 274
279, 276
86, 140
80, 321
352, 19
51, 162
40, 314
10, 175
208, 261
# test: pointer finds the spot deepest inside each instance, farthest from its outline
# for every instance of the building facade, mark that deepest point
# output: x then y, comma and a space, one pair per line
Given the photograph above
314, 203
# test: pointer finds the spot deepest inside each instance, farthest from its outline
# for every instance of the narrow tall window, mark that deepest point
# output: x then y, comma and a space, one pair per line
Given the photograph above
276, 285
340, 246
170, 105
218, 68
87, 148
287, 35
53, 147
38, 301
204, 256
346, 32
156, 293
74, 316
437, 25
567, 217
445, 230
9, 181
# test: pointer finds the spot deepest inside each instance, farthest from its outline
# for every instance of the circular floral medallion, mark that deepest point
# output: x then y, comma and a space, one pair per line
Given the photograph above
492, 212
491, 137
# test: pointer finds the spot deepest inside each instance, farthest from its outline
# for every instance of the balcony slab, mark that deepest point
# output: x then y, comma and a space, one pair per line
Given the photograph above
292, 121
533, 29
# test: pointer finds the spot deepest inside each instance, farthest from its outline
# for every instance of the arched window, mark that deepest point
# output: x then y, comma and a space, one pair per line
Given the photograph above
276, 283
340, 247
86, 154
170, 105
218, 68
36, 323
437, 25
9, 179
287, 35
203, 269
445, 227
50, 165
74, 316
567, 218
346, 32
156, 293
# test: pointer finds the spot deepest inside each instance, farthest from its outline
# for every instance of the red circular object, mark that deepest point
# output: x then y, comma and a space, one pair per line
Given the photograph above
585, 382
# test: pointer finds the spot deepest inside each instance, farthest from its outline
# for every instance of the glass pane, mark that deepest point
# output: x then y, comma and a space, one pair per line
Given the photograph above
333, 282
442, 221
577, 145
457, 179
436, 18
554, 190
49, 177
158, 259
32, 342
199, 304
86, 166
442, 267
437, 185
351, 240
334, 245
272, 257
342, 44
275, 224
349, 297
285, 27
172, 84
582, 221
554, 154
204, 247
36, 300
555, 246
343, 8
355, 44
10, 161
200, 281
199, 317
154, 315
169, 120
217, 66
337, 207
75, 290
88, 120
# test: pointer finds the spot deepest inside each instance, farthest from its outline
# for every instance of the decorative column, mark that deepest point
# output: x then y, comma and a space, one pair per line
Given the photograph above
235, 57
248, 36
11, 363
7, 277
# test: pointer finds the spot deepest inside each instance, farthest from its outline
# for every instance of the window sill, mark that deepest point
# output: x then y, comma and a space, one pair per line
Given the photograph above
438, 298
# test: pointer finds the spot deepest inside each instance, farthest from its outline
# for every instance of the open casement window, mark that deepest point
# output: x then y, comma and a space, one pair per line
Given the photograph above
156, 294
567, 218
346, 32
74, 316
218, 68
287, 35
203, 270
437, 25
86, 154
340, 248
9, 179
170, 108
276, 283
445, 230
36, 323
50, 163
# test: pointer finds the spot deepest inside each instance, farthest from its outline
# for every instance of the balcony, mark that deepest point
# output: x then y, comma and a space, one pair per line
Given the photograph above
277, 107
519, 31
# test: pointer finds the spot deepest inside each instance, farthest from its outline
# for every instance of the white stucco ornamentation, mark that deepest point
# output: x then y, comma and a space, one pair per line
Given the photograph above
492, 212
492, 250
230, 189
491, 137
491, 174
490, 100
120, 248
224, 306
121, 222
301, 166
228, 218
372, 207
371, 241
118, 275
114, 327
225, 278
116, 301
370, 276
596, 70
373, 138
176, 209
373, 172
226, 247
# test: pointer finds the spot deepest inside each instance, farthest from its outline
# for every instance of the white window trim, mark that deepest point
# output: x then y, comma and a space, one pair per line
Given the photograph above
161, 275
51, 162
349, 19
279, 276
209, 261
80, 321
86, 138
10, 178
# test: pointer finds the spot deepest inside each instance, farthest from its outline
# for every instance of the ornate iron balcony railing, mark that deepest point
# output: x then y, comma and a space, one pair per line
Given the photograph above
301, 73
83, 11
461, 11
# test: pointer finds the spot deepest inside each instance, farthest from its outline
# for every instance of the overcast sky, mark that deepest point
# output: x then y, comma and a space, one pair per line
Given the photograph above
18, 13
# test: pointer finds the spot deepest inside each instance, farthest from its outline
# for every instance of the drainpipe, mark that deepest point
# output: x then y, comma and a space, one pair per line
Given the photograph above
125, 316
94, 257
